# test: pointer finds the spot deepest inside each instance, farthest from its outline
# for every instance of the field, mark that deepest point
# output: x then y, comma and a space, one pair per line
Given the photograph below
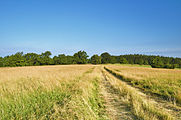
56, 92
162, 82
90, 92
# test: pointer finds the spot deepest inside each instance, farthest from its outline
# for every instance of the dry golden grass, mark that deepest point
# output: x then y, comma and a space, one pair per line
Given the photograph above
66, 92
50, 92
164, 82
30, 78
142, 107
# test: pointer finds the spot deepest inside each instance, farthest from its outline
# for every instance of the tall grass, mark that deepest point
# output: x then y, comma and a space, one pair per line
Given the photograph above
142, 108
51, 92
163, 82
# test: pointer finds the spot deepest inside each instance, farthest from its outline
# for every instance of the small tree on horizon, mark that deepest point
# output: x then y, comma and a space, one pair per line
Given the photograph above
157, 63
95, 59
123, 60
81, 57
105, 58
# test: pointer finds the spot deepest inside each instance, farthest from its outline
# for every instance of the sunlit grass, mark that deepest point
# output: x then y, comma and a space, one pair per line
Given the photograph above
141, 107
163, 82
51, 92
133, 65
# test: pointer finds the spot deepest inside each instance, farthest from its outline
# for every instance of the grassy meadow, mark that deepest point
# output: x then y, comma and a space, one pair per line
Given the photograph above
77, 92
163, 82
142, 107
50, 92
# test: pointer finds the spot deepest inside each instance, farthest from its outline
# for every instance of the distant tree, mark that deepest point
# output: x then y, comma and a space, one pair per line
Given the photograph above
141, 61
105, 58
1, 62
63, 59
80, 57
123, 60
46, 54
113, 60
145, 62
89, 61
95, 59
176, 65
70, 59
56, 60
45, 58
177, 61
169, 66
15, 60
179, 65
157, 63
32, 59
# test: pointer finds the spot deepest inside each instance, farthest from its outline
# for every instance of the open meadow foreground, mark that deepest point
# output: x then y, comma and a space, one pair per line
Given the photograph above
90, 60
90, 92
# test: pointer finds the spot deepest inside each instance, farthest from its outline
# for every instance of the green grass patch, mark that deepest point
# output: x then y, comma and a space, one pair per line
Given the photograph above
133, 65
37, 105
96, 102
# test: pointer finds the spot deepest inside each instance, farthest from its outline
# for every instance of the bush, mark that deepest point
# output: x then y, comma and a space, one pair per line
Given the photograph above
123, 60
158, 63
95, 59
180, 65
168, 66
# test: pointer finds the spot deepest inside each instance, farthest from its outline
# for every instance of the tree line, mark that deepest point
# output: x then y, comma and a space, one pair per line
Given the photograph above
81, 57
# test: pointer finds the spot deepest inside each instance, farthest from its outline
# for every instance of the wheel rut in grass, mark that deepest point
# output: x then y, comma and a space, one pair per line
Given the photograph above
115, 107
173, 109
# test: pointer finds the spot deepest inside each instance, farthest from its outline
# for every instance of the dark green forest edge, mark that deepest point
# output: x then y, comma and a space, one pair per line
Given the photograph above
81, 57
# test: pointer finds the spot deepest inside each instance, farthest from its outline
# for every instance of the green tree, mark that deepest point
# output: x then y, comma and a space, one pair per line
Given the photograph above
169, 66
62, 58
1, 62
46, 54
45, 58
157, 63
80, 57
70, 59
56, 60
179, 65
113, 60
105, 58
95, 59
141, 61
32, 59
123, 60
15, 60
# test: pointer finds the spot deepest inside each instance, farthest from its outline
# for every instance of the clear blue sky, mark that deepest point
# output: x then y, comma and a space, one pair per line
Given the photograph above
96, 26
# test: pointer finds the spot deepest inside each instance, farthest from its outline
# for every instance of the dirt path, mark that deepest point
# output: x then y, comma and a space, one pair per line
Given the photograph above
115, 107
172, 109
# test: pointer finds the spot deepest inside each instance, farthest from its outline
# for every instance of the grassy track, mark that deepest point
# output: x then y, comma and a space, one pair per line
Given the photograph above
116, 108
140, 105
163, 82
76, 92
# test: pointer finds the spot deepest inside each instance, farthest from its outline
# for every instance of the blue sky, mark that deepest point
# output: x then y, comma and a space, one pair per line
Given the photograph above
96, 26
